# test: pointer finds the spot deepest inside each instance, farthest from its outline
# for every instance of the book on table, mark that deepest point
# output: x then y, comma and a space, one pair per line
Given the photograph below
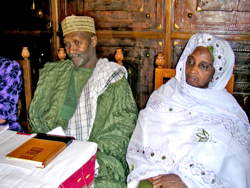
66, 139
41, 149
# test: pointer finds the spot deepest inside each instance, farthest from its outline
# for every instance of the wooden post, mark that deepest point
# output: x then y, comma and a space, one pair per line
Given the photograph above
55, 27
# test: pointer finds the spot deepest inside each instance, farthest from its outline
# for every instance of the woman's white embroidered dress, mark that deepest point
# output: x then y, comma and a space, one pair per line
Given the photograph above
202, 135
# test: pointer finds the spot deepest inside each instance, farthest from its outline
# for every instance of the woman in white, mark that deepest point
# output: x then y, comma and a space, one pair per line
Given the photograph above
193, 133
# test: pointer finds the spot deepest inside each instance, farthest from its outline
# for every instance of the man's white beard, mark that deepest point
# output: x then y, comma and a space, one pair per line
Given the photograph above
82, 60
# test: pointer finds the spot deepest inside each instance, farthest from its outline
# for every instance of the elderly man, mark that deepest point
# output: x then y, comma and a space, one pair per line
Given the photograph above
89, 98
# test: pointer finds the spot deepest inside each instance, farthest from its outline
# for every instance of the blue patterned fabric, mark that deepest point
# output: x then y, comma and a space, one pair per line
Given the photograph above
10, 88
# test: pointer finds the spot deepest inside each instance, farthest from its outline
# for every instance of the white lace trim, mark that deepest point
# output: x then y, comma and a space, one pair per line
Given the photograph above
150, 154
186, 165
197, 169
231, 127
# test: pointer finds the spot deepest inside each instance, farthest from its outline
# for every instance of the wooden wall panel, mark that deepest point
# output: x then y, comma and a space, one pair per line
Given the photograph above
69, 7
139, 60
215, 5
244, 5
119, 15
212, 16
224, 5
242, 71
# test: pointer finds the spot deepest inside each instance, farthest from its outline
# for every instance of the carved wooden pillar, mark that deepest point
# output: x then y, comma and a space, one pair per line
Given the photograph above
27, 87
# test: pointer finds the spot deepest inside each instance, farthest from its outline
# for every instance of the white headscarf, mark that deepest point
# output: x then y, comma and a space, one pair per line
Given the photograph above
202, 135
215, 95
223, 59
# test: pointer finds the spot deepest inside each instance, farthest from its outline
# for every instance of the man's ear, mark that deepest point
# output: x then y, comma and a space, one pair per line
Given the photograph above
94, 40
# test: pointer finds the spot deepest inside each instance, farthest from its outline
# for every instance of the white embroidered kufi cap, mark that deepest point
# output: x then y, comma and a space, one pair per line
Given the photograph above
78, 23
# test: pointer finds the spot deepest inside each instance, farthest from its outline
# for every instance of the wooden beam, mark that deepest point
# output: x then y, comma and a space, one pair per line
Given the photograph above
167, 52
55, 26
131, 34
32, 33
230, 37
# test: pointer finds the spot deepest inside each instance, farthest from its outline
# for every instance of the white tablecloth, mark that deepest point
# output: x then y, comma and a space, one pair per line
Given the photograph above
56, 172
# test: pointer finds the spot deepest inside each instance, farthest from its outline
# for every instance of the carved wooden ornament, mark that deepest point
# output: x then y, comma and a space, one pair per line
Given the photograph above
61, 54
160, 60
119, 56
25, 53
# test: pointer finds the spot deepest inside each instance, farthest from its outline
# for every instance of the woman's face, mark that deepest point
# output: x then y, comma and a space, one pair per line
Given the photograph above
199, 68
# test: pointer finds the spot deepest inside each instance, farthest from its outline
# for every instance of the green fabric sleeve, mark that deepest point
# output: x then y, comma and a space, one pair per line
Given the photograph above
48, 100
115, 121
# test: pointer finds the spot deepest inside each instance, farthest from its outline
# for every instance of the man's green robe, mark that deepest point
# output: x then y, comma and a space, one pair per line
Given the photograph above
58, 90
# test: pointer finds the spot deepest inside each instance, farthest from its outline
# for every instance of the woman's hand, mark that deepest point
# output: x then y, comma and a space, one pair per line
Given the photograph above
2, 121
167, 181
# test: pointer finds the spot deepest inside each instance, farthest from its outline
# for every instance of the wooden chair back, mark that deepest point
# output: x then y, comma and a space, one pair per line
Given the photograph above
28, 89
162, 75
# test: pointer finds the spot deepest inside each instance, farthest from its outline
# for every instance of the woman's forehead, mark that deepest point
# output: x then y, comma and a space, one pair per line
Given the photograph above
202, 52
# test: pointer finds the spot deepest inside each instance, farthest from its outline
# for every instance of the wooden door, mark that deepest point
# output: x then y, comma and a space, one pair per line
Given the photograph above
220, 17
122, 15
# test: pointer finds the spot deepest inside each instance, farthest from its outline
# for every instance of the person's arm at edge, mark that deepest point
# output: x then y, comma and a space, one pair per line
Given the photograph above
11, 101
